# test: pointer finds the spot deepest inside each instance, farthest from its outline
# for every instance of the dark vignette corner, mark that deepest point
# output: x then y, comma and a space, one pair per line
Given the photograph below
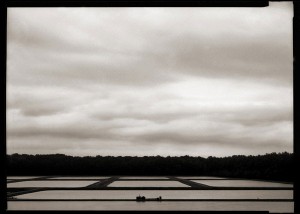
3, 24
29, 3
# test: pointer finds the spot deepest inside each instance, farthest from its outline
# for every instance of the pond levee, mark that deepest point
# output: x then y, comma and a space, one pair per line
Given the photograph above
102, 184
190, 183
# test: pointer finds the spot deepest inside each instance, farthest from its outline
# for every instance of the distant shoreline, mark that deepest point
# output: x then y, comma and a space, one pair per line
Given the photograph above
270, 167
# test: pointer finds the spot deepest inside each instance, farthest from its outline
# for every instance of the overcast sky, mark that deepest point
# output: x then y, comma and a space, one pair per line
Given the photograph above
150, 81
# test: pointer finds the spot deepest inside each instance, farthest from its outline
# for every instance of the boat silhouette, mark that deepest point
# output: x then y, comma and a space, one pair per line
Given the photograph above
143, 198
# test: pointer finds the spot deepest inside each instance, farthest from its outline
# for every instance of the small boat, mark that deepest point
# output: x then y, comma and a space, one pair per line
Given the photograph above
143, 198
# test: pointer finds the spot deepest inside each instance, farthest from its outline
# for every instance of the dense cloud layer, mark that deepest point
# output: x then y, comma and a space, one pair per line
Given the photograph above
150, 81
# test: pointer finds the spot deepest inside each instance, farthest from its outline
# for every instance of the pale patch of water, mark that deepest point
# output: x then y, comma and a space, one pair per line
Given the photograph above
48, 183
276, 207
147, 184
241, 183
165, 194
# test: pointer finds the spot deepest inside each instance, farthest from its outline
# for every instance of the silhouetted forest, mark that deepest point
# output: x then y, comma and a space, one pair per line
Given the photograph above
274, 166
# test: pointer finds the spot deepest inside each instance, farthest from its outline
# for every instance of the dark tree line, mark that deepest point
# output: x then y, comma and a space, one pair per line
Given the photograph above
274, 166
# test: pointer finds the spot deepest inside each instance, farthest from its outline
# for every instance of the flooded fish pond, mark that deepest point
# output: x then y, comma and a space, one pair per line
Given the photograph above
202, 193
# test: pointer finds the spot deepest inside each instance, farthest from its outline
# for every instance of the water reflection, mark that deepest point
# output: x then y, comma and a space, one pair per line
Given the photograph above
276, 207
166, 194
147, 184
241, 183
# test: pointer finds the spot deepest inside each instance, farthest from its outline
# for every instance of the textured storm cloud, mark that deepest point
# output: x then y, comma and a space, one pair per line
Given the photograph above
150, 81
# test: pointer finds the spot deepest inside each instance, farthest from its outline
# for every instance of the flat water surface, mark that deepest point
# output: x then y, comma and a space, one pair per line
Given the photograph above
241, 183
165, 194
143, 177
76, 177
147, 184
201, 177
286, 207
48, 183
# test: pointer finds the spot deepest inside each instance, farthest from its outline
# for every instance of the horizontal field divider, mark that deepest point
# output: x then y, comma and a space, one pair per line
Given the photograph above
224, 200
149, 188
